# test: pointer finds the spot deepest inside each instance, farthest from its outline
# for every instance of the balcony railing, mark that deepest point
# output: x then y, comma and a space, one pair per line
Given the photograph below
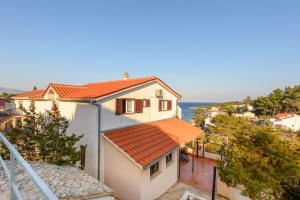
11, 173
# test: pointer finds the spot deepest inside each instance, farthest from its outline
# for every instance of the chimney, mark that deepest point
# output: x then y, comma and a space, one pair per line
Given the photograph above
125, 76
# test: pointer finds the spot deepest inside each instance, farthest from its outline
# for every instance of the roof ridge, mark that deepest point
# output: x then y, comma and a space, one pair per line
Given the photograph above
129, 79
63, 84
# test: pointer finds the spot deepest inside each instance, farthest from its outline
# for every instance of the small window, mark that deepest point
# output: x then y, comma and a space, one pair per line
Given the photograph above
129, 106
163, 105
50, 94
154, 168
146, 102
169, 158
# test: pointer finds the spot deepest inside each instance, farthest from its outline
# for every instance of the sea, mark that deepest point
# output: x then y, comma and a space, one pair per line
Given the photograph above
187, 108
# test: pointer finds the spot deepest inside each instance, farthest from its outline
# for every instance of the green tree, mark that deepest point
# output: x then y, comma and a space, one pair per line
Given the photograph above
34, 88
43, 137
278, 101
261, 158
199, 117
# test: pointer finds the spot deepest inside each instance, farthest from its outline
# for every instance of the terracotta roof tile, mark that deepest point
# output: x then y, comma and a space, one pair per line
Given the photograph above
34, 94
95, 90
63, 90
284, 115
150, 141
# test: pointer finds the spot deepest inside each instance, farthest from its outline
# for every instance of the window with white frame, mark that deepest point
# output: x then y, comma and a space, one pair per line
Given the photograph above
129, 106
164, 105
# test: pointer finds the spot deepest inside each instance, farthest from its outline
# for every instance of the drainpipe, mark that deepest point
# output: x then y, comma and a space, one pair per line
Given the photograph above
99, 135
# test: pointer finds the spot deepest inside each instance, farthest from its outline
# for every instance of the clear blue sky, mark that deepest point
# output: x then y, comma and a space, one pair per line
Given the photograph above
207, 50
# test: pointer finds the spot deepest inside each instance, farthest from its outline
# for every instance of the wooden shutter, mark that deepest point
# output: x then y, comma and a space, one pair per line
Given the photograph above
119, 106
169, 104
139, 105
147, 102
160, 105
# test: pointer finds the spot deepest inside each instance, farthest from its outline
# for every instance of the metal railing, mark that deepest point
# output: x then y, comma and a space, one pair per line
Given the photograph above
11, 173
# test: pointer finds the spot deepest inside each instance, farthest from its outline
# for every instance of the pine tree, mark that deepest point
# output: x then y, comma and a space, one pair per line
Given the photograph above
44, 137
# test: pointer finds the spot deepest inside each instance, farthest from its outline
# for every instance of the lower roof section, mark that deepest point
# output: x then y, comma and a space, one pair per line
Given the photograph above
145, 143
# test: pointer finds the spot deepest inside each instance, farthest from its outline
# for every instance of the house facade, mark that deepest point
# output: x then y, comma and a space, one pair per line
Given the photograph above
288, 120
128, 128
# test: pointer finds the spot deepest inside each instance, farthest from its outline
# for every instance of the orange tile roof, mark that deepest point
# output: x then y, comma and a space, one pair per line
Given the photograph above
96, 90
63, 90
284, 115
148, 142
34, 94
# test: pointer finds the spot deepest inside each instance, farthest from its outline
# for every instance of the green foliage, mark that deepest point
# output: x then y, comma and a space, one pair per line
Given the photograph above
199, 117
4, 95
261, 158
287, 100
43, 137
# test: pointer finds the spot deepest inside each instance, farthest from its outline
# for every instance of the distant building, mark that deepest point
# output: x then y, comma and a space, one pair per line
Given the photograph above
250, 108
287, 120
249, 115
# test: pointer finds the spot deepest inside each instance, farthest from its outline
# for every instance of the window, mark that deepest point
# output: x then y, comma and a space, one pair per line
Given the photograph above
154, 168
129, 106
165, 105
169, 158
146, 102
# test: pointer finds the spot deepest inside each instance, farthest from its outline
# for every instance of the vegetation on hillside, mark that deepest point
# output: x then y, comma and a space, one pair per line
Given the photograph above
263, 159
4, 95
43, 137
279, 101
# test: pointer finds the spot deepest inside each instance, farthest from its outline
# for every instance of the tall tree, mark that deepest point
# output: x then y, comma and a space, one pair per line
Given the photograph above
44, 137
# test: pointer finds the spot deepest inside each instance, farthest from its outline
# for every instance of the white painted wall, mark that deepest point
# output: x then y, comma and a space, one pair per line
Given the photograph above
112, 121
130, 182
291, 122
152, 188
121, 174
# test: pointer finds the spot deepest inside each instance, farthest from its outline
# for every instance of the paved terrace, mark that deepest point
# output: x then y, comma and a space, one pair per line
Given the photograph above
66, 182
202, 177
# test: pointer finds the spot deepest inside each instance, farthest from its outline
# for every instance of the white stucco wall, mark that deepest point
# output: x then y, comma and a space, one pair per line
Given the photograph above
121, 174
291, 122
131, 182
111, 121
152, 188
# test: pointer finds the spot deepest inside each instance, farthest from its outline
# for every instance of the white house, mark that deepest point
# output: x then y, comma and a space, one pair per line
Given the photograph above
288, 120
131, 129
249, 115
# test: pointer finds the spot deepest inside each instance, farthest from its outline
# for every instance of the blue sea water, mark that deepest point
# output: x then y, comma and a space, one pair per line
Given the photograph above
188, 108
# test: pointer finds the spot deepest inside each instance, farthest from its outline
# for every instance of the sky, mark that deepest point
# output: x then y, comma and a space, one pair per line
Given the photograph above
208, 51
